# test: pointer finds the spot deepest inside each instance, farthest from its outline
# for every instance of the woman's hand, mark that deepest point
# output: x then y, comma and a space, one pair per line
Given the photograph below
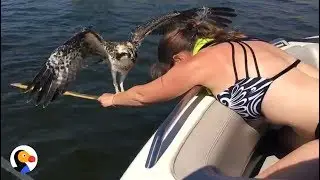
106, 99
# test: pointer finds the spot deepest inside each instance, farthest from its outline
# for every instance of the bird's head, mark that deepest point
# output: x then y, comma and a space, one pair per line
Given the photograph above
125, 51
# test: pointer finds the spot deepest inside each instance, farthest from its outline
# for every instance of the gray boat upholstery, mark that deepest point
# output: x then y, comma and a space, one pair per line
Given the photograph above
222, 140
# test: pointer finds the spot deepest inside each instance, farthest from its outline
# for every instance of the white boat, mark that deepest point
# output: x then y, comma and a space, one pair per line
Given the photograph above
202, 139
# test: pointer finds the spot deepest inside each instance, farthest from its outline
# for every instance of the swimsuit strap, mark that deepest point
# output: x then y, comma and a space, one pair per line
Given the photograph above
234, 62
293, 65
245, 58
254, 58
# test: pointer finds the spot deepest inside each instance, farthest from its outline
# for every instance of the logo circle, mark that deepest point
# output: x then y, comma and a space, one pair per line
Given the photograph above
24, 158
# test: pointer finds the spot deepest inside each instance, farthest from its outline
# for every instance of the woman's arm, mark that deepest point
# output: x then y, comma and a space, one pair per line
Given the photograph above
178, 80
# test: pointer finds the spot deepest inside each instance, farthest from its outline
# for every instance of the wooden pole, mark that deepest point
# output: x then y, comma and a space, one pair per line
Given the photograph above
67, 93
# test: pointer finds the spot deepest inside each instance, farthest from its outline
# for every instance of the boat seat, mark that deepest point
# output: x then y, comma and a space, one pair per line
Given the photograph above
309, 54
221, 139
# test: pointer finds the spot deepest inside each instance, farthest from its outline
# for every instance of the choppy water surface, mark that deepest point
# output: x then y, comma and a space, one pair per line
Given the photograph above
77, 138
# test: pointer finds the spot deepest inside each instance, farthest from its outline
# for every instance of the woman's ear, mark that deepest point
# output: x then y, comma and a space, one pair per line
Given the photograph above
176, 58
182, 56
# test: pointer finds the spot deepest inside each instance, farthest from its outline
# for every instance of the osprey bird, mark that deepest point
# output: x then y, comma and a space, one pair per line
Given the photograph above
65, 62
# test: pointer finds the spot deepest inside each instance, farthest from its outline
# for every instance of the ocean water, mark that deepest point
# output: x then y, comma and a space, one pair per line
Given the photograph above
78, 139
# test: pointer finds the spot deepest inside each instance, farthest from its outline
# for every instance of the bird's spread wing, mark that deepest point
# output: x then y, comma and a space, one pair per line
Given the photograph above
163, 24
63, 64
141, 31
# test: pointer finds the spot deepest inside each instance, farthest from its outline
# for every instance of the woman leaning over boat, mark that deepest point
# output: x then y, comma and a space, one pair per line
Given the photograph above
250, 76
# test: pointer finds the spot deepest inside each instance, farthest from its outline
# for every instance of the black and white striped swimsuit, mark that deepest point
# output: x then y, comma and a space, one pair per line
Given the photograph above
246, 95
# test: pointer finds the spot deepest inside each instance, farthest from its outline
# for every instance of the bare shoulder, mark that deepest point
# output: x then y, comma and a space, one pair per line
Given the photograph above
215, 51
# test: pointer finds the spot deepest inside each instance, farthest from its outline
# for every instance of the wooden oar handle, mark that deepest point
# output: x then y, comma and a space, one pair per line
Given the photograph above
67, 93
